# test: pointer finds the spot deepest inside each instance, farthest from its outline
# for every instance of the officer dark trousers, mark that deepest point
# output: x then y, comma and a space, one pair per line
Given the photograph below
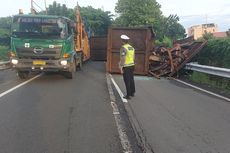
129, 80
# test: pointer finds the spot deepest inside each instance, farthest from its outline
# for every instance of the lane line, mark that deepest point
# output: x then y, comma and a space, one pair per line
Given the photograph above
120, 127
118, 89
138, 130
18, 86
203, 90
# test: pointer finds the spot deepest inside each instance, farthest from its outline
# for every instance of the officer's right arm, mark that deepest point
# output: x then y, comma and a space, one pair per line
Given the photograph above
122, 59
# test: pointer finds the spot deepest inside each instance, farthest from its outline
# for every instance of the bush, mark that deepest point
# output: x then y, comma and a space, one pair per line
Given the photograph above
215, 53
211, 80
4, 52
4, 41
166, 42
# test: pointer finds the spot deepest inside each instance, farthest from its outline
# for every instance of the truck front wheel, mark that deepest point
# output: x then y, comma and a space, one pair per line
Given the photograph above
72, 73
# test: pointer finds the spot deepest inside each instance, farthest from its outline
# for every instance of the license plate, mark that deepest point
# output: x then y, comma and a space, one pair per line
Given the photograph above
39, 63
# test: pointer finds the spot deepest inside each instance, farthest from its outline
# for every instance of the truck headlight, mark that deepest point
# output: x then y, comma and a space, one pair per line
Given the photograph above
14, 61
63, 62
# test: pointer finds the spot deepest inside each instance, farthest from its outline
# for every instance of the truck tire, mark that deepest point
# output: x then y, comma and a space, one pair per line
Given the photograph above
71, 74
23, 74
80, 61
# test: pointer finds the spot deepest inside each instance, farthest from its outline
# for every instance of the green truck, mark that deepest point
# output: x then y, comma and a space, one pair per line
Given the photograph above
44, 43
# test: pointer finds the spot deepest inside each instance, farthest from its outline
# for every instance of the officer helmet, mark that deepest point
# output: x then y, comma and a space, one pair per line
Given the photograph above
124, 37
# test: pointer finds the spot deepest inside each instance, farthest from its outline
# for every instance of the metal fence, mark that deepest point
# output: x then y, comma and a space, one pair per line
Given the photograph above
4, 65
223, 72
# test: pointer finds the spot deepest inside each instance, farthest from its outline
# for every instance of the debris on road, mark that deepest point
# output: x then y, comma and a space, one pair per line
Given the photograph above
168, 61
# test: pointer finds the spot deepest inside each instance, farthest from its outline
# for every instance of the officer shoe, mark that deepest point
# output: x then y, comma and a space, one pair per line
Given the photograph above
126, 97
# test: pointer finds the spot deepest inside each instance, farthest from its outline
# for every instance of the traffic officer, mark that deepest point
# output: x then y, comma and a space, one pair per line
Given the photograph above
126, 65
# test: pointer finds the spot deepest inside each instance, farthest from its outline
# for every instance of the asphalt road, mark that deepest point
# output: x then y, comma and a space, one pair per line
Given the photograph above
174, 118
52, 114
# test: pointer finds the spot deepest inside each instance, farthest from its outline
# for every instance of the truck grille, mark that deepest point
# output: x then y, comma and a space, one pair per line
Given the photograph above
47, 53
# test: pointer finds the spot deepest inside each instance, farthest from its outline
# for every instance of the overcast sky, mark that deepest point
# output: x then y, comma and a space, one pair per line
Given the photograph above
191, 12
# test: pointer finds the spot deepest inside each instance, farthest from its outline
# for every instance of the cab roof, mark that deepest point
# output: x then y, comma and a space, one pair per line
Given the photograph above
42, 16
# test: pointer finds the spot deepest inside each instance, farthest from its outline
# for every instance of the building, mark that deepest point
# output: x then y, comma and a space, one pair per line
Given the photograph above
220, 34
198, 30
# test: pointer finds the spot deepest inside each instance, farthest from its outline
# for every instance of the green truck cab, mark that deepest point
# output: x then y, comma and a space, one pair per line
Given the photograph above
43, 43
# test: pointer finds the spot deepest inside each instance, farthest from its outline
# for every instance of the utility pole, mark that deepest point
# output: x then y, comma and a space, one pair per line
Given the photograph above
45, 7
206, 18
33, 10
32, 7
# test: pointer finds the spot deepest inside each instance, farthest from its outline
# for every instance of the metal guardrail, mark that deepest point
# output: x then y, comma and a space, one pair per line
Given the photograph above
223, 72
4, 62
4, 65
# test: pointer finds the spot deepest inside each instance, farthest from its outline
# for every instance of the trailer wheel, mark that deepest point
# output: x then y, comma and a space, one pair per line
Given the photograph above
23, 74
80, 61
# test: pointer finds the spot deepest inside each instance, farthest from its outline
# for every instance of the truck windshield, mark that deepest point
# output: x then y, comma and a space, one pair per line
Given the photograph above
38, 27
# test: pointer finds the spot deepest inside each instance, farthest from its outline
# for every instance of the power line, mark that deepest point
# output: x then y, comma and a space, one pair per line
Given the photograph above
203, 15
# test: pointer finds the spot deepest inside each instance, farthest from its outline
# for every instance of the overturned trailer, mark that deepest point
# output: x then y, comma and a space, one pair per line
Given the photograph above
98, 48
168, 61
141, 38
157, 61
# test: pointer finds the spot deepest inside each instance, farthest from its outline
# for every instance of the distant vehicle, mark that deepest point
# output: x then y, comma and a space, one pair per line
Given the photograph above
46, 43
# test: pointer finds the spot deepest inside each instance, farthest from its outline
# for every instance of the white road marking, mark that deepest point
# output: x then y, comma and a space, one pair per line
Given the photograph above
120, 127
206, 91
115, 109
118, 89
18, 86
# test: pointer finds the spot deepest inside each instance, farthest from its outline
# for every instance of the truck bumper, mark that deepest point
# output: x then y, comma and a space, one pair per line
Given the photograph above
41, 65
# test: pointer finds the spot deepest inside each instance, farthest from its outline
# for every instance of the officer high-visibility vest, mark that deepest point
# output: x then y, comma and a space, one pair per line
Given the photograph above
129, 57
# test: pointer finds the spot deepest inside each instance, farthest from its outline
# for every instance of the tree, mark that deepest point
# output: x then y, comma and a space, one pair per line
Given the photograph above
147, 12
60, 10
96, 20
228, 33
136, 12
5, 30
216, 53
171, 28
207, 36
166, 42
5, 25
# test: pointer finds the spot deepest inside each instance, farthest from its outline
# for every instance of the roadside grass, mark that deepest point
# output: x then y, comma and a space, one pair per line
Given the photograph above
220, 83
4, 53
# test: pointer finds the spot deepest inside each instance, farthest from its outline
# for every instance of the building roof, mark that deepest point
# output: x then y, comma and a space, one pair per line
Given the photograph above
220, 34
